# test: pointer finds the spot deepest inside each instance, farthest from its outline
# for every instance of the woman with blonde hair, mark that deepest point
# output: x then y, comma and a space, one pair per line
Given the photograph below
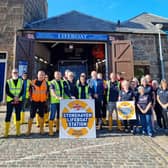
162, 97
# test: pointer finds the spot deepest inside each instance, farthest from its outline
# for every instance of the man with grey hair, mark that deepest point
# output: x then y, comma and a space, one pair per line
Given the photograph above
14, 92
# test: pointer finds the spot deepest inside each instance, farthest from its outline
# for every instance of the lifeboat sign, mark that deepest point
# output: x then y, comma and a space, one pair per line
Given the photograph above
77, 118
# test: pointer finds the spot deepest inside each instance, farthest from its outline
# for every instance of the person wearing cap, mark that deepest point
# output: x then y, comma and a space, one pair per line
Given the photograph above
25, 97
14, 92
83, 89
39, 95
162, 97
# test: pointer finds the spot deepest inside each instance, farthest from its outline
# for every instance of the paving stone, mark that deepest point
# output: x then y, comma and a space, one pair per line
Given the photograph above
108, 150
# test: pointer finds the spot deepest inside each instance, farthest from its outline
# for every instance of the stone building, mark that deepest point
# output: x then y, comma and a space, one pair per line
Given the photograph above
82, 43
14, 15
53, 36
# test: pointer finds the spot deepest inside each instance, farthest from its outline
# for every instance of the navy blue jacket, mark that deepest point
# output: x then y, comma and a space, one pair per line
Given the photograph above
99, 90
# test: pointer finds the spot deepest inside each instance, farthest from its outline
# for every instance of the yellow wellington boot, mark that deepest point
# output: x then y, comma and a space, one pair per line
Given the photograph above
30, 122
37, 120
51, 133
104, 121
41, 123
46, 116
14, 118
57, 125
96, 121
119, 125
110, 123
17, 128
22, 117
54, 124
7, 126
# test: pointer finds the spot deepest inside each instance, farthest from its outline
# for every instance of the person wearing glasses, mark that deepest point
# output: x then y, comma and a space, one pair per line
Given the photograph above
25, 98
70, 86
83, 89
14, 92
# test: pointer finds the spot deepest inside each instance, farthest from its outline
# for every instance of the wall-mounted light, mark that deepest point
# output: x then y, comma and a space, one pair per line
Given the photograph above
71, 46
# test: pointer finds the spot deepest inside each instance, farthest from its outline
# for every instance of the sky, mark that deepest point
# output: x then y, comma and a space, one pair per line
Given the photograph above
112, 10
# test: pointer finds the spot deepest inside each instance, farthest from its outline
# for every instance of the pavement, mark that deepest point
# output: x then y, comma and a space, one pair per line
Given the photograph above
109, 149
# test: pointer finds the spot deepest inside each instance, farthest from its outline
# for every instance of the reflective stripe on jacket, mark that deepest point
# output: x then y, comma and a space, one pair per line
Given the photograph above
57, 91
15, 90
80, 91
39, 93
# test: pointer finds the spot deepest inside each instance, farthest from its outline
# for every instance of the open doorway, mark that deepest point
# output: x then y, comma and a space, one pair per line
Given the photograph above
77, 57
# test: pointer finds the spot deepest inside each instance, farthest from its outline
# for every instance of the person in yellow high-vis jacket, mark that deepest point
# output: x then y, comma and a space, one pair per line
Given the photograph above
112, 98
25, 97
56, 94
83, 89
14, 91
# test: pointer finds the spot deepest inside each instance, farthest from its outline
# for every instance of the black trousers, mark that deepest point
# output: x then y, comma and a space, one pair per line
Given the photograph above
46, 106
103, 108
37, 107
10, 107
159, 116
165, 116
98, 107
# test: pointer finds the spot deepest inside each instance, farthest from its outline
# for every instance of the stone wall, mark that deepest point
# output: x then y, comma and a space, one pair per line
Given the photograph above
13, 15
146, 52
11, 19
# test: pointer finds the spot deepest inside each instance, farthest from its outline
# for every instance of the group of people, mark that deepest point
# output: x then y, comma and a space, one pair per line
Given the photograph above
44, 98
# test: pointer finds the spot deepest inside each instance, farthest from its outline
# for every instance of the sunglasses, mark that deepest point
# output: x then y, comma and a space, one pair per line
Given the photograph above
15, 72
83, 76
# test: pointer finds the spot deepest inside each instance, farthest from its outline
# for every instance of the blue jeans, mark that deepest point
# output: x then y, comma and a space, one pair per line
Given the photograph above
146, 122
54, 108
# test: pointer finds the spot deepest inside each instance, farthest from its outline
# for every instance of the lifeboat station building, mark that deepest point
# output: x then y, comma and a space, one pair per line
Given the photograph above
83, 43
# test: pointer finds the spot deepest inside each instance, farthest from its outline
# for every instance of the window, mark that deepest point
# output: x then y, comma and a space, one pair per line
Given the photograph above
141, 70
3, 55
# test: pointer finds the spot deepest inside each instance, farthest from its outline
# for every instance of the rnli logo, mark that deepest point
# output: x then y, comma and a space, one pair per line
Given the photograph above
77, 118
126, 110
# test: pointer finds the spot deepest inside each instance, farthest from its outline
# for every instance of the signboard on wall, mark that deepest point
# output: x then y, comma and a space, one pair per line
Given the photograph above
77, 118
23, 67
126, 110
71, 36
